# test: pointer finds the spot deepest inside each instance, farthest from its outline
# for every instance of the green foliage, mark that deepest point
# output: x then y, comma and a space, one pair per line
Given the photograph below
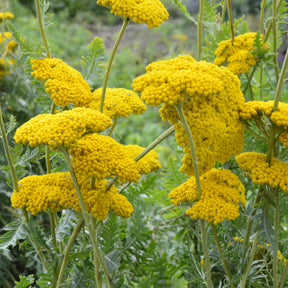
25, 281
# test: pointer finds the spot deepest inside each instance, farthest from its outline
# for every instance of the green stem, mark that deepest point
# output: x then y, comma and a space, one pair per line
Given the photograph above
276, 230
261, 81
226, 268
263, 4
113, 126
223, 11
42, 28
284, 275
249, 264
52, 228
86, 217
157, 141
274, 15
57, 280
231, 20
249, 80
199, 29
179, 108
113, 52
249, 86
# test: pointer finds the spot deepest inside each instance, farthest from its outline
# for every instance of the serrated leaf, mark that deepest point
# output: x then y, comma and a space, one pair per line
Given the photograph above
25, 281
184, 10
16, 231
28, 156
10, 126
65, 224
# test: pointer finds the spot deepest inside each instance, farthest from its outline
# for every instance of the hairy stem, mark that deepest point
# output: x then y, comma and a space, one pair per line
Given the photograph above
113, 126
263, 4
200, 29
121, 33
223, 11
276, 229
231, 20
249, 86
274, 15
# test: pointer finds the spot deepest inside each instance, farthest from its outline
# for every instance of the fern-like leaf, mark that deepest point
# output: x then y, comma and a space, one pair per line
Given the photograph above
184, 10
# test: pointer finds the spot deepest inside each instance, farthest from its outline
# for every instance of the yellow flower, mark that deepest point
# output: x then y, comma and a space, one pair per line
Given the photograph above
61, 129
151, 12
65, 84
6, 15
212, 98
54, 192
101, 156
148, 163
237, 55
220, 196
118, 102
254, 165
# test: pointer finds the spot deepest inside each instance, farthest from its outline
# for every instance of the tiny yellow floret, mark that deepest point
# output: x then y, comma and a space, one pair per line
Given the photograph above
6, 15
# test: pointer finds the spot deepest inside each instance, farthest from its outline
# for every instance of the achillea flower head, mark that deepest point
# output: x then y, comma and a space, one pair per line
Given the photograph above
61, 129
151, 12
54, 192
212, 98
254, 166
148, 163
101, 156
64, 83
6, 16
220, 197
238, 55
118, 102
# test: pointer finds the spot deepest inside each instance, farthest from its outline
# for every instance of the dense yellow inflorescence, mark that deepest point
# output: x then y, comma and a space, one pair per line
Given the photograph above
146, 164
101, 156
64, 83
61, 129
118, 102
212, 98
237, 55
254, 166
221, 194
54, 192
6, 15
151, 12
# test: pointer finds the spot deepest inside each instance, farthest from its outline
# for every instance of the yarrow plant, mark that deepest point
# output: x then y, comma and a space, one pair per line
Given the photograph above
83, 213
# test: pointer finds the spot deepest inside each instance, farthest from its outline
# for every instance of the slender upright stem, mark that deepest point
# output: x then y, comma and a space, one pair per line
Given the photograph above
276, 230
57, 280
87, 219
249, 86
249, 80
223, 11
200, 29
226, 268
52, 228
113, 126
274, 15
250, 260
263, 4
284, 275
231, 20
108, 68
42, 28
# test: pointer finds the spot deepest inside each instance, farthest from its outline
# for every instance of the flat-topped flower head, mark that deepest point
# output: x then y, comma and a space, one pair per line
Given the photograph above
6, 16
54, 192
151, 12
101, 156
211, 97
146, 164
61, 129
118, 102
222, 192
255, 166
64, 83
237, 55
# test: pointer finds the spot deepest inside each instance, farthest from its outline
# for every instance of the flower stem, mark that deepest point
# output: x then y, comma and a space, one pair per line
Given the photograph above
263, 4
199, 29
249, 80
113, 126
57, 280
52, 228
226, 268
284, 275
121, 33
249, 264
87, 219
274, 15
249, 86
276, 230
42, 28
231, 20
223, 11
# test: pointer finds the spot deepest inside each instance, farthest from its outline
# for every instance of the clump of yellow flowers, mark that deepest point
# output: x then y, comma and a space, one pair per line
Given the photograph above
151, 12
238, 54
211, 97
220, 197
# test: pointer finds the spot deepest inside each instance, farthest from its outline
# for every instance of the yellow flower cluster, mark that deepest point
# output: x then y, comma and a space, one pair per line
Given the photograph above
62, 129
220, 196
212, 98
6, 15
64, 83
101, 156
151, 12
54, 192
238, 54
118, 102
254, 165
148, 163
